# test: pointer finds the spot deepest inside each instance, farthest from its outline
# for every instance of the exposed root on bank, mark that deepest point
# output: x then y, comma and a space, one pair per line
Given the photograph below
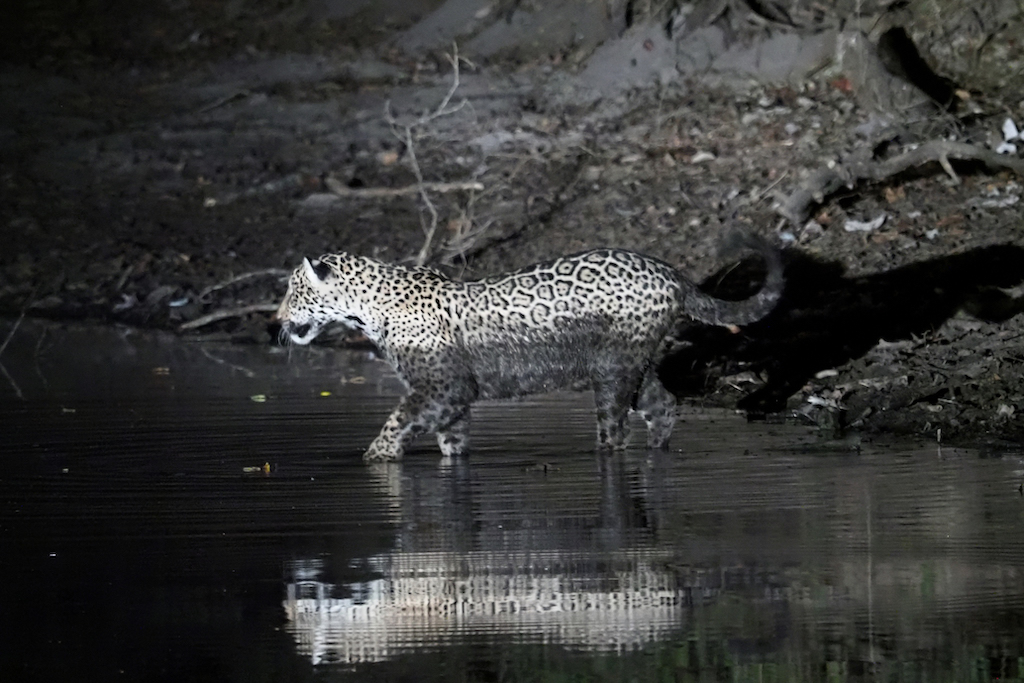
335, 186
862, 167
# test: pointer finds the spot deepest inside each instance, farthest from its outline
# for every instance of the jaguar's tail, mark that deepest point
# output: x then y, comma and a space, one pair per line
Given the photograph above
714, 311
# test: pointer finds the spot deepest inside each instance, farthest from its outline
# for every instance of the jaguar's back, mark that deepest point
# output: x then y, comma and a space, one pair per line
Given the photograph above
556, 325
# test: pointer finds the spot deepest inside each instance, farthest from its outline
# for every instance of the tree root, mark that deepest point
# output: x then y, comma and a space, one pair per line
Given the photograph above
861, 167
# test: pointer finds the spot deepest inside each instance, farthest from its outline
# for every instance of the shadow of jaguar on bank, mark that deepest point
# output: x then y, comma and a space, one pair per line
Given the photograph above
599, 320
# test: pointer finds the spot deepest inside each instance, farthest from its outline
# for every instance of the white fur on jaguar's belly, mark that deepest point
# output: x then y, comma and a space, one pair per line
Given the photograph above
598, 320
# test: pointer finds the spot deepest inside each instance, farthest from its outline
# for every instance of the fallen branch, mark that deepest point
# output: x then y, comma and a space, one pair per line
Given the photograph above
225, 313
221, 101
335, 186
824, 182
266, 272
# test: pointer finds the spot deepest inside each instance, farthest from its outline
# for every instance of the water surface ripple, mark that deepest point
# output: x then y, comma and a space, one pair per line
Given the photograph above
184, 512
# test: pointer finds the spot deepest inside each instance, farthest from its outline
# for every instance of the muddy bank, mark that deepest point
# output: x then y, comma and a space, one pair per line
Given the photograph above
182, 175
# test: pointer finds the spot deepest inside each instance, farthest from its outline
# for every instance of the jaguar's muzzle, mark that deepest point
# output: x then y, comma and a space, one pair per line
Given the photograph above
299, 333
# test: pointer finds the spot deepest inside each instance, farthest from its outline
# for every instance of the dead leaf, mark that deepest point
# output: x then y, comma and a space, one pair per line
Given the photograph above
842, 84
894, 194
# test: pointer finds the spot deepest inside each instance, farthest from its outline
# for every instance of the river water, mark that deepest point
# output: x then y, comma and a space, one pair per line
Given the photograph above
178, 511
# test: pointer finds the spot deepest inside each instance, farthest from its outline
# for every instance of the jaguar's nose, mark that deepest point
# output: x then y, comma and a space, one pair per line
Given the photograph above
300, 330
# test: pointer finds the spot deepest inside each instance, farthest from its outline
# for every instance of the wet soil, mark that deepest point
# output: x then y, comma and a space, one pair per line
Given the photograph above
153, 179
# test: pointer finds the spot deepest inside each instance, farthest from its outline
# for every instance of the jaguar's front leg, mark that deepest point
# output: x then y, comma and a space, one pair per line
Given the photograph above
418, 414
454, 439
399, 429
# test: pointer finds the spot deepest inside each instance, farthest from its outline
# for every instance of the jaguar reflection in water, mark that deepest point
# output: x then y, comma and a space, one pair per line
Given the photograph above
795, 561
425, 600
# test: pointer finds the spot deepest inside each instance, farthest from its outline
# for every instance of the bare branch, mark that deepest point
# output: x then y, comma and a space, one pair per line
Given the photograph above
266, 272
3, 347
428, 237
441, 110
404, 132
14, 329
225, 313
14, 385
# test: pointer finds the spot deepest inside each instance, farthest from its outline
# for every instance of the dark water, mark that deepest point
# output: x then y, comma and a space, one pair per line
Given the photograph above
142, 539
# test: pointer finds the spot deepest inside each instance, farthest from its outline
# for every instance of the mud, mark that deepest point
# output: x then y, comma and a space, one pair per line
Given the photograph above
161, 165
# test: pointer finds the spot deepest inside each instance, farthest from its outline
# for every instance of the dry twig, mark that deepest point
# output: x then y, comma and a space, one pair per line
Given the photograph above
10, 335
404, 132
14, 329
861, 167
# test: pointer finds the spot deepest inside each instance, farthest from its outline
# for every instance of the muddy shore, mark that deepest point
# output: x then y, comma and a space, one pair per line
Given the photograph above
152, 187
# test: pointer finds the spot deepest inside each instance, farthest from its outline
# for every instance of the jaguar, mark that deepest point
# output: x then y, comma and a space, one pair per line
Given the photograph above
600, 320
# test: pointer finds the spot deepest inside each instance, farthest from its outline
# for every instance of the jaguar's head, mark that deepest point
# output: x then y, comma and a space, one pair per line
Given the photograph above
332, 288
305, 311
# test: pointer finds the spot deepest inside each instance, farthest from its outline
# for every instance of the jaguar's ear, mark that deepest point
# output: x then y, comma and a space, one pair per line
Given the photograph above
316, 270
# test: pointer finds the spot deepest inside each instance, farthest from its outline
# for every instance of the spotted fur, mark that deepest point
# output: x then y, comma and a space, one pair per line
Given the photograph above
598, 320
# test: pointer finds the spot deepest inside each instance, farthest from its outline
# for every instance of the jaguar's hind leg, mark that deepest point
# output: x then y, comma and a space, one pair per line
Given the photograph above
657, 406
613, 397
